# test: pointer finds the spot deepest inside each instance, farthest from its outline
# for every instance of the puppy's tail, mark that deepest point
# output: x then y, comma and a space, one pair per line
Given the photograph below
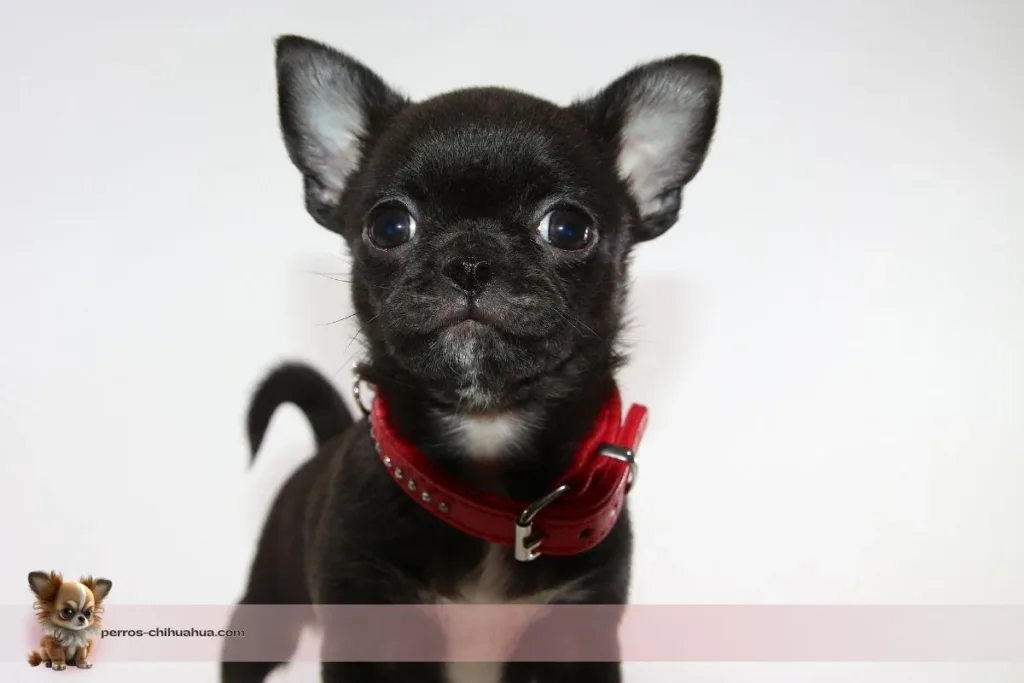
34, 658
308, 390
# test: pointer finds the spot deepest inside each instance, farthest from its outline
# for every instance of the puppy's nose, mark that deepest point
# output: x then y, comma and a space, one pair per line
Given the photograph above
81, 619
469, 275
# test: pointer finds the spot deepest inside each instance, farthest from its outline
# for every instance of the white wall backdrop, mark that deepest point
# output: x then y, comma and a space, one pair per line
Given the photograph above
831, 341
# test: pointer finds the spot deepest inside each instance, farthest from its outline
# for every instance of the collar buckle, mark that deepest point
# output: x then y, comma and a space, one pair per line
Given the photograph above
626, 455
527, 543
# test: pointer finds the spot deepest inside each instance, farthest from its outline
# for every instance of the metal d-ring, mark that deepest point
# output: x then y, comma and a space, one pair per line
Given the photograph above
357, 391
527, 545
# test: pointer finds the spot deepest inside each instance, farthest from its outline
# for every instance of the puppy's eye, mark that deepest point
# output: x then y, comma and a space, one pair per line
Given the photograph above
67, 612
566, 229
391, 227
87, 614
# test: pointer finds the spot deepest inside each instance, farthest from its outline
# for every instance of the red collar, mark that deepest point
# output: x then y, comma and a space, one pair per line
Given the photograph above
575, 516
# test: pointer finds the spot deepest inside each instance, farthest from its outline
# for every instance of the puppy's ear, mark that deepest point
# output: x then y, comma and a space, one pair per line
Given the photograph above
329, 104
100, 587
45, 584
658, 120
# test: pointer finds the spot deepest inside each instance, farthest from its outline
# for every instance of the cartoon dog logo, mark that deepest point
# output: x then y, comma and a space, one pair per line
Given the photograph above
70, 615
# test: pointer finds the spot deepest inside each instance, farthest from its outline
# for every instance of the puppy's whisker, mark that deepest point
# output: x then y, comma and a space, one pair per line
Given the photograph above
340, 257
338, 320
585, 326
329, 276
572, 320
359, 331
335, 279
566, 318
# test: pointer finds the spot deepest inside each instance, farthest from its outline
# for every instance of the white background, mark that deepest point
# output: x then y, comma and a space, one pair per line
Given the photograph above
831, 341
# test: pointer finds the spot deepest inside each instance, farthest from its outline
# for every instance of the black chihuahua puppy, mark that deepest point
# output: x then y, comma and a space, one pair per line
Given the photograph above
490, 234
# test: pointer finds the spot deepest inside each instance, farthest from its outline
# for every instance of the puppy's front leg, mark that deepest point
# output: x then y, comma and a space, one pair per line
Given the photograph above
588, 672
358, 650
377, 672
82, 657
576, 644
55, 651
365, 642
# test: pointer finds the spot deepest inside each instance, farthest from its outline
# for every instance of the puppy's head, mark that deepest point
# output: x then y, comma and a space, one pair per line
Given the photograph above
74, 605
490, 230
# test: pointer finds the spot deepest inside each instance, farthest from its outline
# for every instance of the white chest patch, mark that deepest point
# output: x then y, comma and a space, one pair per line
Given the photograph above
71, 640
486, 437
489, 585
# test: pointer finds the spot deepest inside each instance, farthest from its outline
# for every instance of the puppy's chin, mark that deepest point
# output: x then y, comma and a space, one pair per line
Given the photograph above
475, 366
464, 336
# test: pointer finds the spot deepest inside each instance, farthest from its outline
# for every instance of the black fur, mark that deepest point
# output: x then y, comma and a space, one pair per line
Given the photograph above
534, 332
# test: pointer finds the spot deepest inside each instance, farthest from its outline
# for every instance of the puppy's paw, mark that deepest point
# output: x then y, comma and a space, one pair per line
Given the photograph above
84, 665
59, 667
